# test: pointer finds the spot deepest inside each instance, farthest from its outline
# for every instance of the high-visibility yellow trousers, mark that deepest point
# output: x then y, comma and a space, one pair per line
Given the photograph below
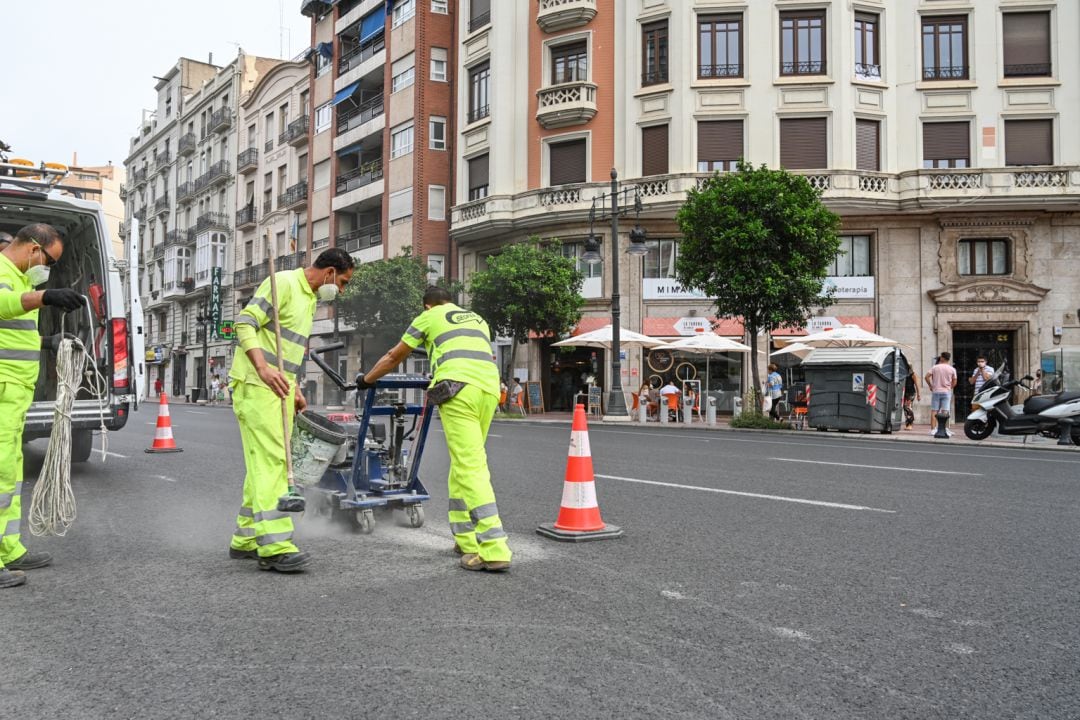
15, 400
474, 517
259, 525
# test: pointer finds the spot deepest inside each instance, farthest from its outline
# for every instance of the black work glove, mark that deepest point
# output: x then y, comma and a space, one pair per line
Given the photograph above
361, 383
63, 298
52, 342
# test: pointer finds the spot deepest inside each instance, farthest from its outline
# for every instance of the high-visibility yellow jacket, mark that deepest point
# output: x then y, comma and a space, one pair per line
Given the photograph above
255, 328
20, 343
458, 344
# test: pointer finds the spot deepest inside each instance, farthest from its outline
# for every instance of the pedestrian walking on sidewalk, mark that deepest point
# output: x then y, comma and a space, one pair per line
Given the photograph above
465, 386
911, 394
942, 380
774, 387
262, 531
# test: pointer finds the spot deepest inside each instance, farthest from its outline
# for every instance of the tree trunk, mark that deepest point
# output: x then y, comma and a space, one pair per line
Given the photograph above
755, 383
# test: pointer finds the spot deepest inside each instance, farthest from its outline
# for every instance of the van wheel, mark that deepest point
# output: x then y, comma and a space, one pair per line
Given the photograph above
82, 444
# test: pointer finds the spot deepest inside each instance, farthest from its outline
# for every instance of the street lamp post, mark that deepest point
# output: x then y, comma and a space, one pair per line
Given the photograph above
616, 405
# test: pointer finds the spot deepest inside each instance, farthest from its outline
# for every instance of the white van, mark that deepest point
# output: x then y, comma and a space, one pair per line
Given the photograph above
33, 195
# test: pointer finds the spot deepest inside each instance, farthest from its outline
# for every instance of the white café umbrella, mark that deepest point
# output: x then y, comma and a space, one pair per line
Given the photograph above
707, 344
847, 336
798, 349
602, 339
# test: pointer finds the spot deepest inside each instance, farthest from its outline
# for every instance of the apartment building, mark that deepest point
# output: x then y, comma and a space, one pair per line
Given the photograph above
103, 184
938, 129
181, 175
382, 119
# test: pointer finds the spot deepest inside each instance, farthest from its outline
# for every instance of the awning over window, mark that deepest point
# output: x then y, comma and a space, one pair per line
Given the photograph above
866, 322
345, 93
666, 327
372, 24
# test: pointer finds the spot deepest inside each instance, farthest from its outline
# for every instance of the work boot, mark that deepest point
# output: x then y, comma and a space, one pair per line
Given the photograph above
285, 562
472, 561
30, 561
11, 578
237, 554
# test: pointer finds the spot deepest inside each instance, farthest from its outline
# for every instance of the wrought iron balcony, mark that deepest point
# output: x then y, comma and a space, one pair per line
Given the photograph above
212, 221
1028, 70
123, 192
810, 67
175, 237
945, 72
159, 251
162, 161
218, 172
361, 176
187, 144
294, 196
475, 23
247, 160
297, 131
479, 113
246, 216
360, 238
356, 55
139, 177
654, 77
555, 15
255, 274
708, 71
184, 191
188, 285
140, 215
572, 103
221, 119
161, 205
357, 116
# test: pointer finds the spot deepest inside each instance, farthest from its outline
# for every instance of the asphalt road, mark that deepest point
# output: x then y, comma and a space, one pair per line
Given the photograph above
760, 576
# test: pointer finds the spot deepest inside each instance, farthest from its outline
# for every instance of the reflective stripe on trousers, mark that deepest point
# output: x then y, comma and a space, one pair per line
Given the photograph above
474, 517
14, 402
259, 525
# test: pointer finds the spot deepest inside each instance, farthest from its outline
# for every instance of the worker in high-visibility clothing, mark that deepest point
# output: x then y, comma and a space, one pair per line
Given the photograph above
466, 388
25, 263
262, 532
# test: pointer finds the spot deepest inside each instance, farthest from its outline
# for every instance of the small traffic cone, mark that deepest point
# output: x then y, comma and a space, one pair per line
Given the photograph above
579, 515
163, 438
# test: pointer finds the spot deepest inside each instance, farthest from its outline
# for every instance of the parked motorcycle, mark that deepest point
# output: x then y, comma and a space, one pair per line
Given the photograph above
1048, 415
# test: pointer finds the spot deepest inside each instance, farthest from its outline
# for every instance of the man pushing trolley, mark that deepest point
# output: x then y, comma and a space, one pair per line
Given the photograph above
264, 532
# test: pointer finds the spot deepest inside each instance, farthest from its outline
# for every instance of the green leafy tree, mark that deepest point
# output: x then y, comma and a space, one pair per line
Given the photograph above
759, 242
383, 297
528, 287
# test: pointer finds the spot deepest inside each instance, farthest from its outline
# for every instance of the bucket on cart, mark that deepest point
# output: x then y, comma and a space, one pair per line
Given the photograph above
316, 441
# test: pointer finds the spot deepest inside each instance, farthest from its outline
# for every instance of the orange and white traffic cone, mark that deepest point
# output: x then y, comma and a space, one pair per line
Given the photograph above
163, 437
579, 514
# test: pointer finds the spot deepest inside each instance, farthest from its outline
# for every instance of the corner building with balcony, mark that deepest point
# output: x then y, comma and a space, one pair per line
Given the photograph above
939, 130
181, 189
380, 143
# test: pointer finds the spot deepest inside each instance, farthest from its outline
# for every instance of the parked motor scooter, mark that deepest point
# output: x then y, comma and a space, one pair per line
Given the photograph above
1053, 416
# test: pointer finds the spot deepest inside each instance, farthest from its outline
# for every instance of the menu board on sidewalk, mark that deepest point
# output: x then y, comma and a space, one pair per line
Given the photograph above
535, 397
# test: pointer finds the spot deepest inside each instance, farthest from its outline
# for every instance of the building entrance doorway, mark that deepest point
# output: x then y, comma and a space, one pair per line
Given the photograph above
997, 346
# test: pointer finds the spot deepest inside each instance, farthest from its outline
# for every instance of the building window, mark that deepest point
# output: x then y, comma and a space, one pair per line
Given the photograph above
403, 73
867, 52
720, 144
324, 115
438, 64
947, 145
441, 7
436, 200
1029, 142
437, 132
479, 14
403, 12
567, 162
479, 100
983, 257
867, 145
944, 48
322, 63
1026, 45
853, 260
654, 150
660, 260
400, 208
804, 143
478, 177
570, 63
654, 53
802, 43
719, 46
401, 141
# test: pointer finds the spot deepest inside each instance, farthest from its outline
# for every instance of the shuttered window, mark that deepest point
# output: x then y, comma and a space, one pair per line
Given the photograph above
566, 162
867, 145
1026, 44
1029, 142
654, 150
478, 177
804, 143
947, 145
720, 144
401, 203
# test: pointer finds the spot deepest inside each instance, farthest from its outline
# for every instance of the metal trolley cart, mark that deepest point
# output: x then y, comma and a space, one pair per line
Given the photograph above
380, 469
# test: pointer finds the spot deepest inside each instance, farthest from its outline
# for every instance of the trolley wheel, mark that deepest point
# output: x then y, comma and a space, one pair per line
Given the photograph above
364, 521
415, 513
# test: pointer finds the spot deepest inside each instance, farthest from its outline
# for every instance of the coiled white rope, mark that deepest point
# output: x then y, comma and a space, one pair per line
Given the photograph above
52, 505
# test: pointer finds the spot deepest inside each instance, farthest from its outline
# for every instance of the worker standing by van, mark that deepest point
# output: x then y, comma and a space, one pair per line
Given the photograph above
24, 264
465, 386
263, 532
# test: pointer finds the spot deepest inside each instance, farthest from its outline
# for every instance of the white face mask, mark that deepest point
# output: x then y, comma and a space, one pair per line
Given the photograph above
38, 275
328, 291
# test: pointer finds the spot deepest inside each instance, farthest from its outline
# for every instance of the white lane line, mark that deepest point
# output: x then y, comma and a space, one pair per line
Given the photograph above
801, 501
196, 412
876, 467
110, 453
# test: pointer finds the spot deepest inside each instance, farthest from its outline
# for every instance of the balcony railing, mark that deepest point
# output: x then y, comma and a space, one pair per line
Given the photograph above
555, 15
867, 71
257, 273
246, 216
356, 55
139, 177
212, 221
294, 195
221, 119
945, 72
360, 238
1028, 70
479, 113
162, 161
654, 77
247, 160
161, 205
571, 103
184, 191
361, 176
809, 67
175, 237
357, 116
218, 172
187, 144
731, 70
479, 21
297, 131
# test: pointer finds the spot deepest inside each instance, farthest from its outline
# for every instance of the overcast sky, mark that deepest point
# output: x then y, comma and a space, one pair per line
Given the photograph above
76, 74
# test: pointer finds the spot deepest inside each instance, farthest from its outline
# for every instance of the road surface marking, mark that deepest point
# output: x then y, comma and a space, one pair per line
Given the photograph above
802, 501
875, 467
196, 412
110, 453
